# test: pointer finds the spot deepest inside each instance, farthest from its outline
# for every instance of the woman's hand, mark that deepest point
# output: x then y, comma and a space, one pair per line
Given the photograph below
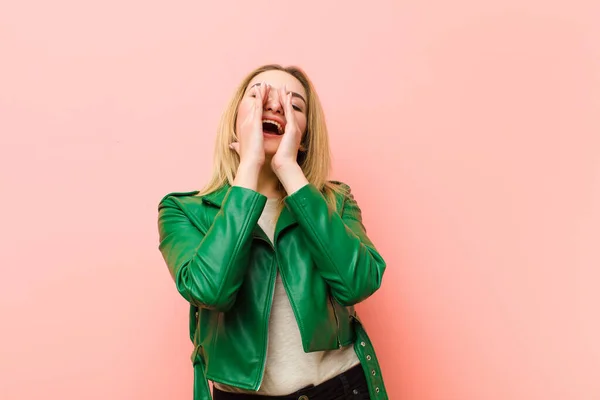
249, 145
287, 152
285, 161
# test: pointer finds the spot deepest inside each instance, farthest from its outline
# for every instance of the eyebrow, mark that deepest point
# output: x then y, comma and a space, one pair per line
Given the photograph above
294, 94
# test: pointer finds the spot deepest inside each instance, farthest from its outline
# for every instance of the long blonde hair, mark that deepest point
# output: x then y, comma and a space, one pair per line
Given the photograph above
315, 161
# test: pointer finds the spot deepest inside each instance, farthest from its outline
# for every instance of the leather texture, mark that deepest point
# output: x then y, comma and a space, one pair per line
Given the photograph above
225, 266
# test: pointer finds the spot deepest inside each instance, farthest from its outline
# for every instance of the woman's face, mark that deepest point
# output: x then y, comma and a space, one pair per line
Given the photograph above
273, 108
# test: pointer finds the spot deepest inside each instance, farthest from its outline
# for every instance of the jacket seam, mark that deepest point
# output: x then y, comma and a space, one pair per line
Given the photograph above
214, 338
197, 225
324, 250
268, 306
234, 253
195, 222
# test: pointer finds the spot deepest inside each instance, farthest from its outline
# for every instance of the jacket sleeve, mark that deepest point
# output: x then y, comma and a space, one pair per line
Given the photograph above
208, 267
344, 254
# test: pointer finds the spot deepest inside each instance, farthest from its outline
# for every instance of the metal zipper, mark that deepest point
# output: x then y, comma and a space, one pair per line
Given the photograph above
274, 279
337, 322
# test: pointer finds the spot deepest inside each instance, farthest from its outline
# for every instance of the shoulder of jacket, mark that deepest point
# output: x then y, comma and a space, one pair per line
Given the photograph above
342, 185
342, 193
192, 193
341, 189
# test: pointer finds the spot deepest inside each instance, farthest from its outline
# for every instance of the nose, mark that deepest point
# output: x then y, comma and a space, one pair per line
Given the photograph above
273, 103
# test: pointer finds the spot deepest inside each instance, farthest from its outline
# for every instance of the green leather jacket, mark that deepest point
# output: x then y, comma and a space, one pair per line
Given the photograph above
224, 265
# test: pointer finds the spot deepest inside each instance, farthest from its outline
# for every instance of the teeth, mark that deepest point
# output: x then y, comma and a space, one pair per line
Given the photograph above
277, 124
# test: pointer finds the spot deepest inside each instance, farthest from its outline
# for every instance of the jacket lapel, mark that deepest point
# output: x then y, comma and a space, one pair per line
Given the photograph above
216, 198
285, 220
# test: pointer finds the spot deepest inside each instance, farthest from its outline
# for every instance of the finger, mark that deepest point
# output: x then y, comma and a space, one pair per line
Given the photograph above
289, 106
266, 95
259, 101
281, 95
283, 99
259, 95
288, 109
283, 102
264, 92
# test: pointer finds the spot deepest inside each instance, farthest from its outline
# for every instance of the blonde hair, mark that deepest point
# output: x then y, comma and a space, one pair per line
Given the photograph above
315, 161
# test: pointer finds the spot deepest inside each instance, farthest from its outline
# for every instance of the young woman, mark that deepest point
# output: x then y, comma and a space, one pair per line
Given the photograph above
272, 256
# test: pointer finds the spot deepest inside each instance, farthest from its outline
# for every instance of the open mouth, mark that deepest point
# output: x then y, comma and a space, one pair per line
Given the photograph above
272, 127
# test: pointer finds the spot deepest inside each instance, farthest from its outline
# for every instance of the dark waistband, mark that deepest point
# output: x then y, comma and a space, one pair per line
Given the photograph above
311, 392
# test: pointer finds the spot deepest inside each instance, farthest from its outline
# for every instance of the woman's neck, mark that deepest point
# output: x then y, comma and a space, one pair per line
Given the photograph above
268, 183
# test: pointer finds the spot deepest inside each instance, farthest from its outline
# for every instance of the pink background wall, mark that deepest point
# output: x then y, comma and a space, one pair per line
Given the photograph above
468, 130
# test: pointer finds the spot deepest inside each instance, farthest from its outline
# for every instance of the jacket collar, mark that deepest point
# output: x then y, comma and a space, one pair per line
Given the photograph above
286, 218
216, 198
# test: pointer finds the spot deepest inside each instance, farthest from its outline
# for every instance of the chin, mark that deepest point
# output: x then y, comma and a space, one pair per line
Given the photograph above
271, 150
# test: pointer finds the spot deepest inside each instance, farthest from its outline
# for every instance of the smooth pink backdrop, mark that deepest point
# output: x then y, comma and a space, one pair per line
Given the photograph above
468, 130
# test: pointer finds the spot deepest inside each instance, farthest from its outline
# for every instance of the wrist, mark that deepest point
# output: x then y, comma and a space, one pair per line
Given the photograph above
247, 165
280, 168
291, 176
247, 175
